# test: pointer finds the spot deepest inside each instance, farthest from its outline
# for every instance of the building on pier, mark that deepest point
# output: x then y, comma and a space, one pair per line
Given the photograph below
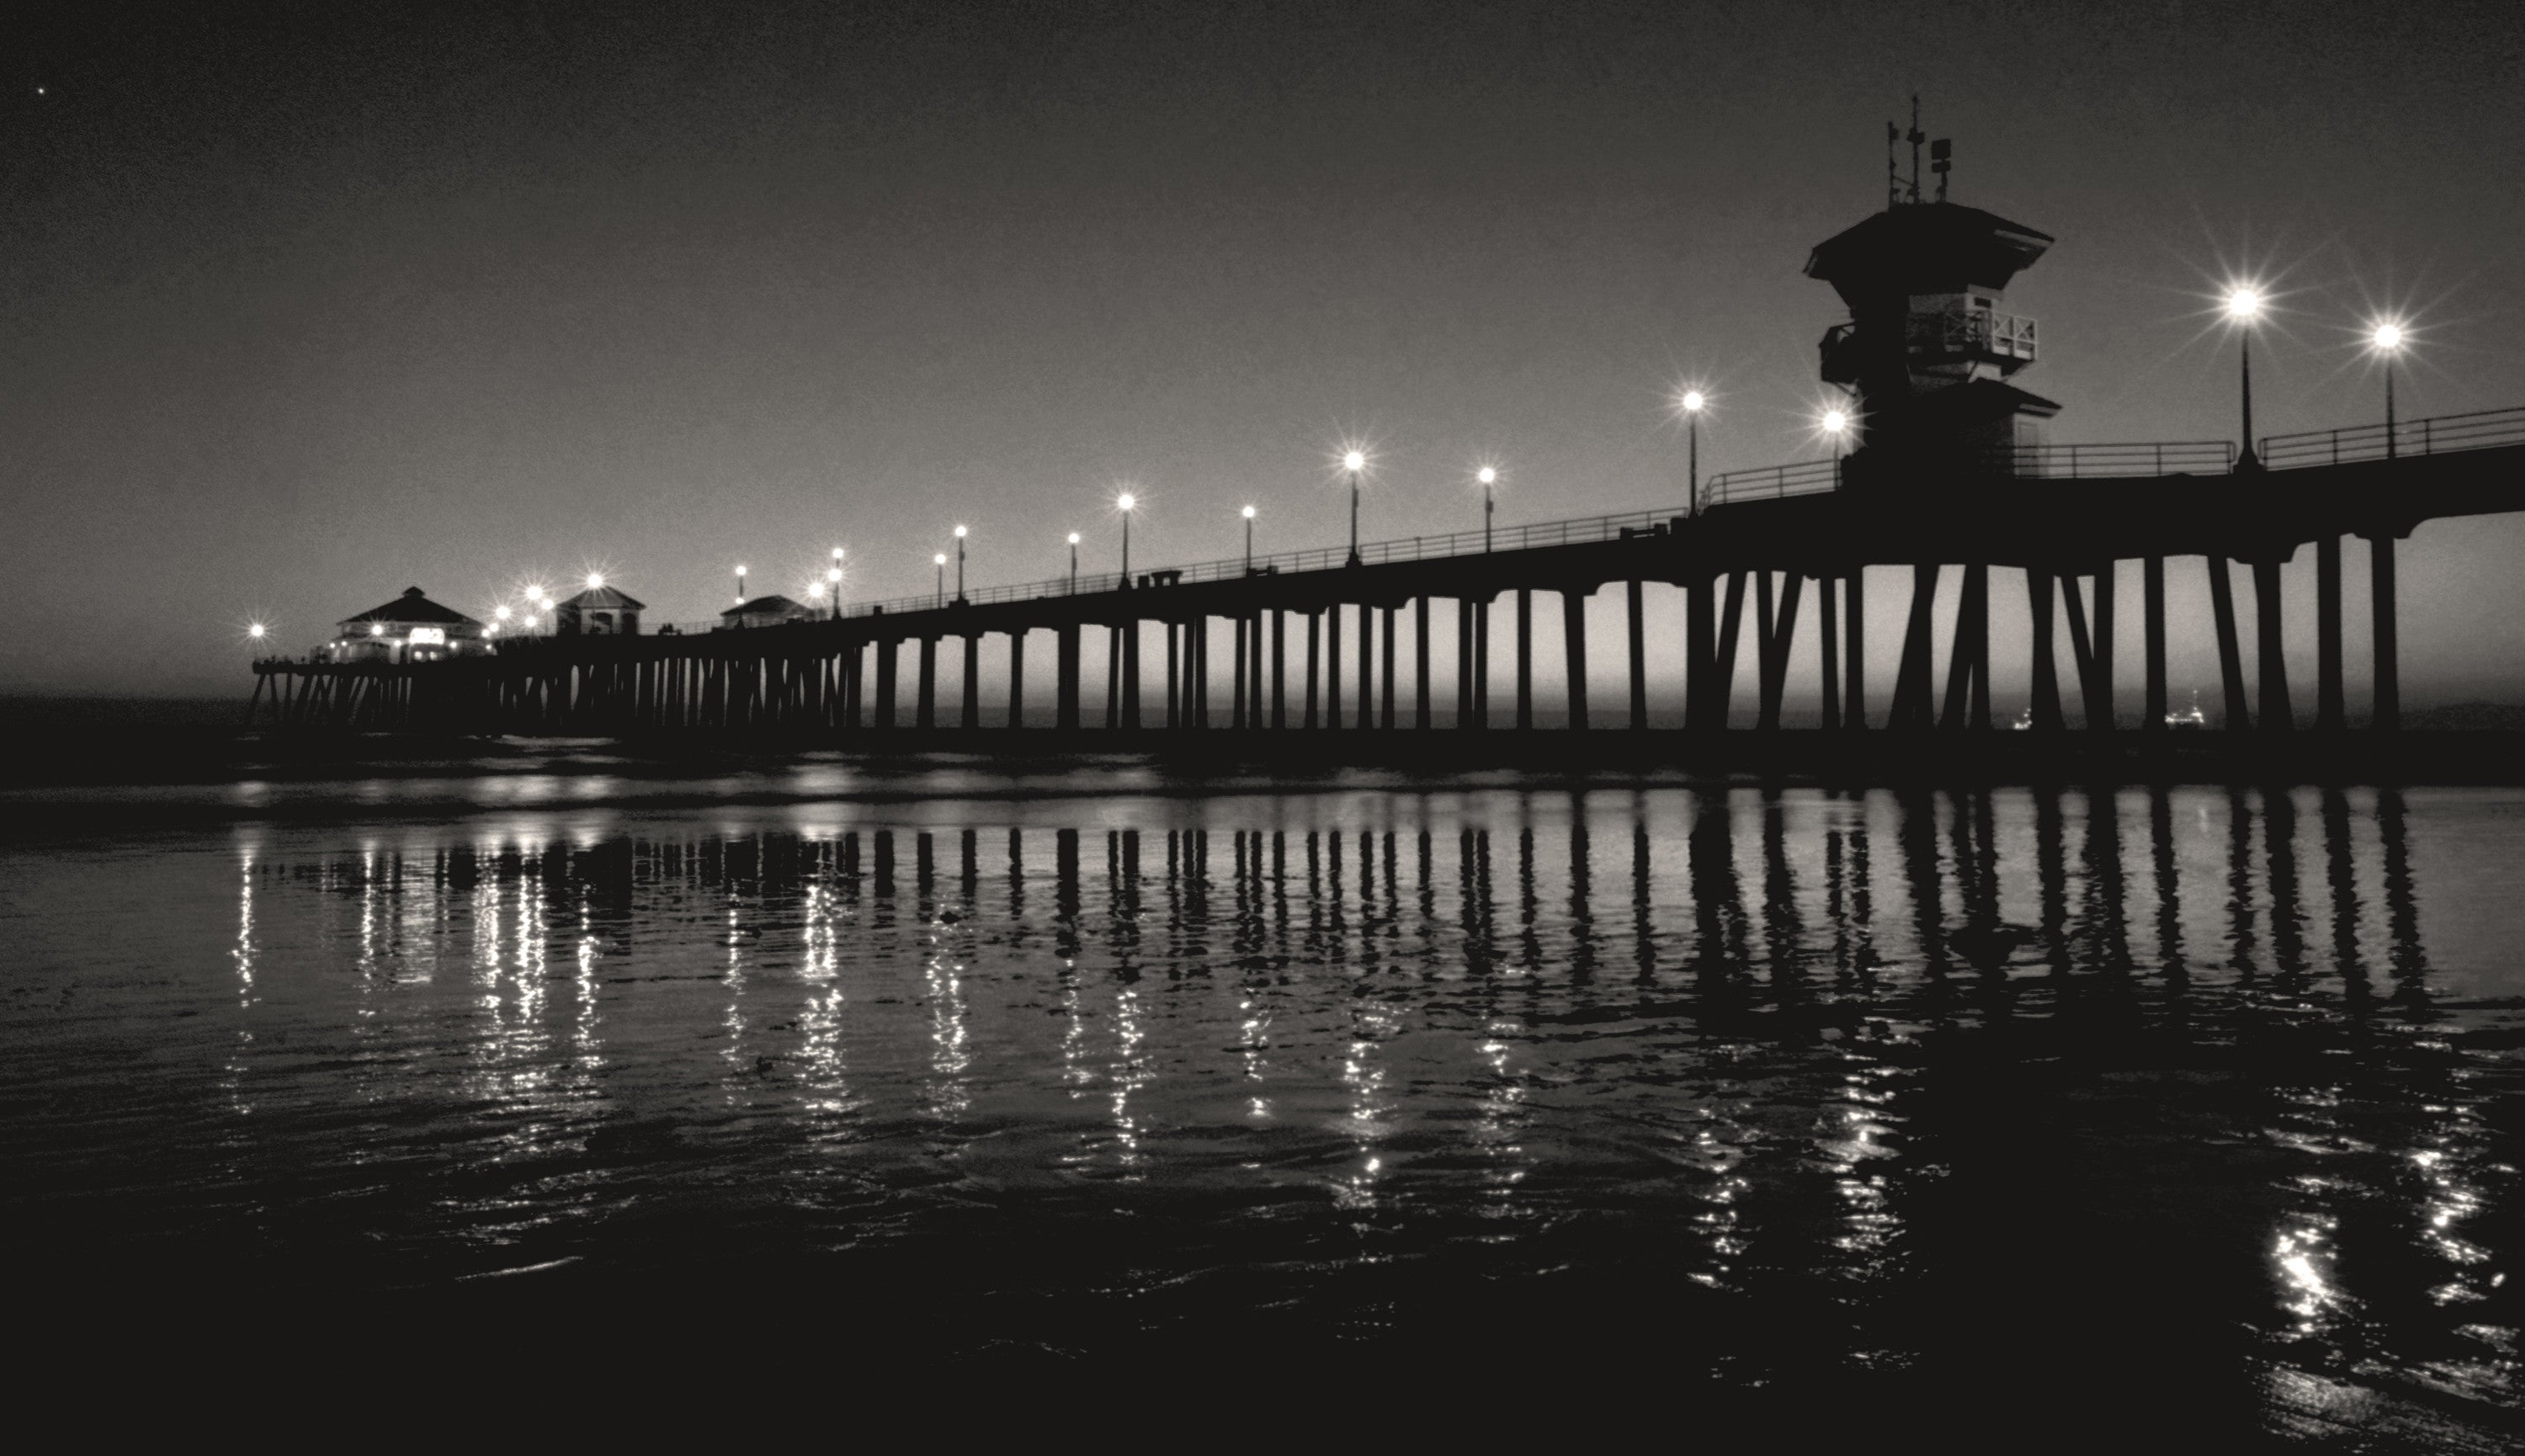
410, 628
1929, 350
600, 611
764, 611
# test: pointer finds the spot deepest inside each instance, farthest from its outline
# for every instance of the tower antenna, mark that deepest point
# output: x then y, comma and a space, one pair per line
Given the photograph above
1916, 136
1893, 178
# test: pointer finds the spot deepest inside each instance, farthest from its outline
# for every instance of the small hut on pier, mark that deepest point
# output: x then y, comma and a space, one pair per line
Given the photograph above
598, 612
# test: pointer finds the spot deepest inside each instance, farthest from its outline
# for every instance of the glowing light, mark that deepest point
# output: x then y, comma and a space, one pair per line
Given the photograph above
2388, 337
595, 580
740, 570
254, 629
815, 591
1835, 422
959, 532
1693, 400
834, 575
376, 628
501, 613
1249, 514
1074, 539
1354, 461
531, 622
1127, 500
2243, 304
837, 553
535, 594
1489, 475
938, 560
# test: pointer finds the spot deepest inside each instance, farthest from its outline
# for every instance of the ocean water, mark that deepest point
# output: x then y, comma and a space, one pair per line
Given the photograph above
2197, 1100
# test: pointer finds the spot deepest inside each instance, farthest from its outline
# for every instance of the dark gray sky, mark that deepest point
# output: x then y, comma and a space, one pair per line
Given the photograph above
302, 308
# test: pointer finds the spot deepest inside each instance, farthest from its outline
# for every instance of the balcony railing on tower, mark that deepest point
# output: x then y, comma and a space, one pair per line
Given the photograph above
1969, 332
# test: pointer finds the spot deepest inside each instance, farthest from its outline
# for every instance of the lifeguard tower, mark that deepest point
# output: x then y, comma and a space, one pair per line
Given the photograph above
1930, 348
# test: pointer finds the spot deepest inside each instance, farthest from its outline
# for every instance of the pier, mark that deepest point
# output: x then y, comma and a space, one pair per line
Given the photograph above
1312, 643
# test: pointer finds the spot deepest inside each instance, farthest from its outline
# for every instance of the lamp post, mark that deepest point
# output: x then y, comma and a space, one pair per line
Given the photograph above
2387, 340
1693, 400
960, 563
1354, 463
740, 585
1126, 501
833, 579
940, 560
1073, 563
2243, 305
1249, 540
1489, 477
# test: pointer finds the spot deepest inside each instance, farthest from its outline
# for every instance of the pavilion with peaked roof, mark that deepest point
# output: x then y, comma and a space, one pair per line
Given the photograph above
764, 611
410, 628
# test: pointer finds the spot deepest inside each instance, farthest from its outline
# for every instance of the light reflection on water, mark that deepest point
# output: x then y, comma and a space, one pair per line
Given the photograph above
1893, 1077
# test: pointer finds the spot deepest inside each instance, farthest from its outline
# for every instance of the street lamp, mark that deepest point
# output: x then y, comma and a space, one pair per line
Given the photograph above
940, 560
1073, 563
1354, 462
1126, 501
740, 585
960, 563
1489, 477
833, 578
2387, 340
595, 580
1693, 402
1249, 540
2243, 305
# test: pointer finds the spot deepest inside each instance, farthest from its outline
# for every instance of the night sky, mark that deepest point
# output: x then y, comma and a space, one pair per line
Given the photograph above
303, 308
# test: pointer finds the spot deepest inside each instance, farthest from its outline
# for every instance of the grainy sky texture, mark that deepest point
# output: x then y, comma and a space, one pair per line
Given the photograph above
304, 306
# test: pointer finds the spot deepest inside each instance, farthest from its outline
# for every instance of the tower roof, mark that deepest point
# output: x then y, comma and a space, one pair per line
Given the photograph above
413, 606
605, 599
762, 606
1925, 247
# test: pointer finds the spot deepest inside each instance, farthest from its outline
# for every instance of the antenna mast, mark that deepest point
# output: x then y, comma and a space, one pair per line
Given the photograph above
1916, 136
1893, 179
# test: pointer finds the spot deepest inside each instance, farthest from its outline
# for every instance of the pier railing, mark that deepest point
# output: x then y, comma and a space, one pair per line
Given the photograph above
2019, 462
2139, 458
1317, 559
1801, 477
2439, 434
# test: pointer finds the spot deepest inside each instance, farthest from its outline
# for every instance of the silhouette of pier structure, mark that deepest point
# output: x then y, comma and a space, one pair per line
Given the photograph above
1951, 470
1284, 629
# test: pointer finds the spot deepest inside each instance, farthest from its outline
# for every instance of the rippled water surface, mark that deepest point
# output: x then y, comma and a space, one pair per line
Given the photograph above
2195, 1093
